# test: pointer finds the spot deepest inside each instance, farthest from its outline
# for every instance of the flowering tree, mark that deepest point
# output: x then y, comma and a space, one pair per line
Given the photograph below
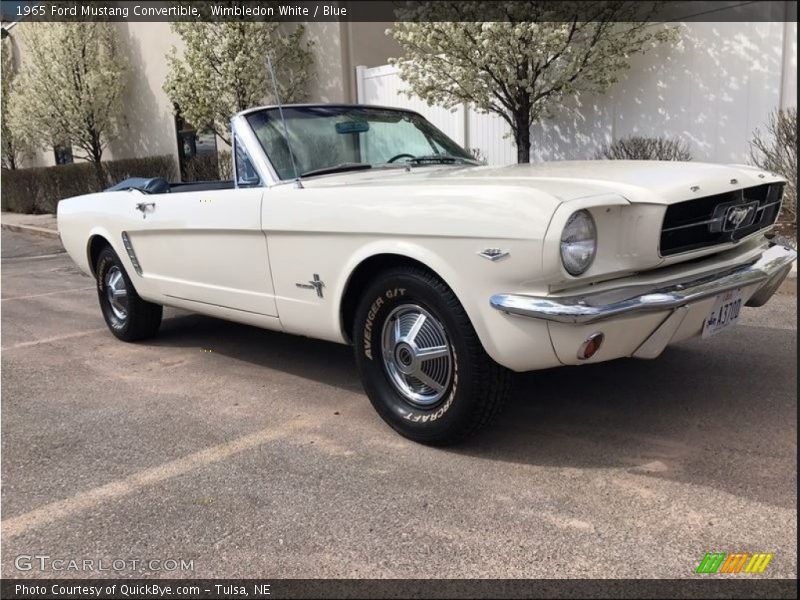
523, 66
70, 87
222, 70
13, 145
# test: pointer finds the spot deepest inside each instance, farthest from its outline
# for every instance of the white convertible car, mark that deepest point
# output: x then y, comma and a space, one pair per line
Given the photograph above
368, 226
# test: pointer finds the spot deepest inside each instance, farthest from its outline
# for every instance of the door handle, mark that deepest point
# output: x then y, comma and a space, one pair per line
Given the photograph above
142, 206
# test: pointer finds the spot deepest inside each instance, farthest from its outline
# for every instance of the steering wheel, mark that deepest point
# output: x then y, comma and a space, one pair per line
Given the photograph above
399, 156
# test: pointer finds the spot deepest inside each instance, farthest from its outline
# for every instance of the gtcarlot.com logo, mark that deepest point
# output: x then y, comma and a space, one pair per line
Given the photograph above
734, 562
42, 562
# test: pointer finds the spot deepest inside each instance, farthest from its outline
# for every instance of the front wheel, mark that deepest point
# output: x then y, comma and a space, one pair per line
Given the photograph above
421, 362
128, 316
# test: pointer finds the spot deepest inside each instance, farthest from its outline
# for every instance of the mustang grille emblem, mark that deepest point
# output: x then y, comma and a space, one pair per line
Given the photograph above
739, 216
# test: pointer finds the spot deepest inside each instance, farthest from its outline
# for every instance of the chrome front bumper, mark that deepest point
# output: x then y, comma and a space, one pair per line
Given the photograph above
769, 271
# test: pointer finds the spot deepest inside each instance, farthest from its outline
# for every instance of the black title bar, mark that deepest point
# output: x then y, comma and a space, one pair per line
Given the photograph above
393, 10
190, 589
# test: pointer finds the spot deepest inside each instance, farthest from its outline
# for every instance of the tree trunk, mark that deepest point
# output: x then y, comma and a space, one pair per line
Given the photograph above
96, 156
99, 175
9, 153
522, 136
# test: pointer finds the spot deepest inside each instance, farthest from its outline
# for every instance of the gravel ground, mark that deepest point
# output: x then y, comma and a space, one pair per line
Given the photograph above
257, 454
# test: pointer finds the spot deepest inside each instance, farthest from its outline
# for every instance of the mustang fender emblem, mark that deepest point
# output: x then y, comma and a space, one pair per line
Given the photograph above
314, 284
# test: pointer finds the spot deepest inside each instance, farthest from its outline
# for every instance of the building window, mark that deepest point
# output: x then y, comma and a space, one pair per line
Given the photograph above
63, 154
192, 142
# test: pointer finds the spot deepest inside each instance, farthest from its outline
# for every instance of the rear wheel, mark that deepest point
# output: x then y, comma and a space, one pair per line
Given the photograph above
422, 364
128, 316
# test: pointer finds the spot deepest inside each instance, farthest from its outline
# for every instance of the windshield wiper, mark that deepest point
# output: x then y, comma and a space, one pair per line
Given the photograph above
441, 159
340, 168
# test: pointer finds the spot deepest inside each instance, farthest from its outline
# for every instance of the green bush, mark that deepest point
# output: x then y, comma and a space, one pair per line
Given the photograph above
202, 168
19, 190
209, 167
153, 166
38, 190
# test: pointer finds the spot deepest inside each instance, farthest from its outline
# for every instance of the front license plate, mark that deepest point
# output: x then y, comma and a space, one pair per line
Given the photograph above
724, 314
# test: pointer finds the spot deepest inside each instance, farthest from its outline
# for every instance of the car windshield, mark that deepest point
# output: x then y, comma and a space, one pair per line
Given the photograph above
330, 139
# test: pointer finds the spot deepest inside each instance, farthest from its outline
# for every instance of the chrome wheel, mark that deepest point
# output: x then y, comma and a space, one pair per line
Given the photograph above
117, 293
417, 355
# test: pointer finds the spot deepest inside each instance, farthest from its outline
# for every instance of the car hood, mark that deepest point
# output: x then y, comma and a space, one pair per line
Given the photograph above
655, 182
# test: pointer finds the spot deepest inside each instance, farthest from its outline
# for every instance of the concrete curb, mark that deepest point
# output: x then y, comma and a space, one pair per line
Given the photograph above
42, 231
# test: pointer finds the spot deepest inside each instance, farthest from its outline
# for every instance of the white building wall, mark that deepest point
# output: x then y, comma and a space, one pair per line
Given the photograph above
148, 121
383, 86
712, 89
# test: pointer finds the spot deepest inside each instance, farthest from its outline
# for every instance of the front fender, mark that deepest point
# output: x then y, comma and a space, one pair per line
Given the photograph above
515, 343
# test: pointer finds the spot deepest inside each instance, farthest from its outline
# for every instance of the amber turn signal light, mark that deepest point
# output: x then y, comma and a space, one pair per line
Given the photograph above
591, 346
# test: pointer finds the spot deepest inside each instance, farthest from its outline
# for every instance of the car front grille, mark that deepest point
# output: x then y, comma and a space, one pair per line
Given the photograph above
719, 219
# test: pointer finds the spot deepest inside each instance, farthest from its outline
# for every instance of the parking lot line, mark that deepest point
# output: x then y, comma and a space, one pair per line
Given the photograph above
82, 289
56, 338
123, 487
13, 259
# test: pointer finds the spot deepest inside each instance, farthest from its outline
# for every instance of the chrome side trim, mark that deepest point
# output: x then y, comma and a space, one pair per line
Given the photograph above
126, 241
769, 271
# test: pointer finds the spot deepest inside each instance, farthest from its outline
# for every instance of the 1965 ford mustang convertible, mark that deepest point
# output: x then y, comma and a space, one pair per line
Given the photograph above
368, 226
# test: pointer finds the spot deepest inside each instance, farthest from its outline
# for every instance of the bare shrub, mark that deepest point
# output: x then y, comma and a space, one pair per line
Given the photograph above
775, 150
477, 154
646, 148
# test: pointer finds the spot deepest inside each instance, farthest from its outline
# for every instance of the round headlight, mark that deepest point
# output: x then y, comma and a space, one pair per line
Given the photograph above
578, 243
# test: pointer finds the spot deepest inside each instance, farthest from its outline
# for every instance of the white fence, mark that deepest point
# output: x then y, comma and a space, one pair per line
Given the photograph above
711, 89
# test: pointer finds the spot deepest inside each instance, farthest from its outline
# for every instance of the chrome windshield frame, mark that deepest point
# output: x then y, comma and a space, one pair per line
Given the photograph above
241, 123
241, 131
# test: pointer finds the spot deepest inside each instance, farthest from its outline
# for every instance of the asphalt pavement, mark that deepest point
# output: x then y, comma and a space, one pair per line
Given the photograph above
257, 454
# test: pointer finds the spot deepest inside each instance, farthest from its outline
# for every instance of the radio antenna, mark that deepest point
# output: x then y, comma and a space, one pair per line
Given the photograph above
297, 181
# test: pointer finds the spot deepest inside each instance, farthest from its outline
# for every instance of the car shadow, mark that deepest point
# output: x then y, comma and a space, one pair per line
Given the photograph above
714, 412
317, 360
710, 412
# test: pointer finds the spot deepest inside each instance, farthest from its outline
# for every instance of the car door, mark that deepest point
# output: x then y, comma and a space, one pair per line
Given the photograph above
206, 246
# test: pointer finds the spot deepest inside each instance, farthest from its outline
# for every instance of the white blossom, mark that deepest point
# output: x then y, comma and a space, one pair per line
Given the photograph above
521, 68
14, 145
222, 69
70, 87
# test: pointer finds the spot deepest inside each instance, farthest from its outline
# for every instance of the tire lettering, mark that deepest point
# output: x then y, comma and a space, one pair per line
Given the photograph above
373, 310
424, 418
433, 416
